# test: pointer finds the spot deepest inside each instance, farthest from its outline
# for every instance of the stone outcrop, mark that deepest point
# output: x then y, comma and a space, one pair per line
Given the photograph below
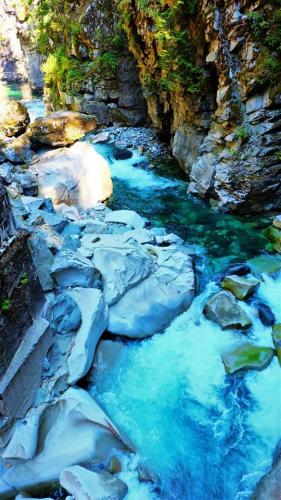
14, 119
19, 57
221, 110
24, 336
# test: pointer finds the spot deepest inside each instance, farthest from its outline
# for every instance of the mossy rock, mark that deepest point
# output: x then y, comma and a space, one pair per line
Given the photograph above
273, 234
276, 337
240, 287
247, 357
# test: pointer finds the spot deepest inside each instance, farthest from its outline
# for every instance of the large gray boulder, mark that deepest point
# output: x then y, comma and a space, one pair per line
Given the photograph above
128, 217
71, 269
223, 309
73, 430
18, 150
152, 304
122, 268
94, 313
74, 176
14, 119
43, 260
60, 128
84, 484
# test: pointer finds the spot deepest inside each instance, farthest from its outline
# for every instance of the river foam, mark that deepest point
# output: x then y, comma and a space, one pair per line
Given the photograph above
205, 435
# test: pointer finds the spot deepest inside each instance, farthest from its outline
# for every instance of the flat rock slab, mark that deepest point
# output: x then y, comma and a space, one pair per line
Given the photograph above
128, 217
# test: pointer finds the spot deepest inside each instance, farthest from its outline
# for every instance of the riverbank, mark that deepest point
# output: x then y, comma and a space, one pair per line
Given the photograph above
135, 365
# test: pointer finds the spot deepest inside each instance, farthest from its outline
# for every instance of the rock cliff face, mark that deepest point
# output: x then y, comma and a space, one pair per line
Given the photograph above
88, 66
210, 76
19, 58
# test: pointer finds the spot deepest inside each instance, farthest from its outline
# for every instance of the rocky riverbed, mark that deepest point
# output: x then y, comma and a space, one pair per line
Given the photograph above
113, 387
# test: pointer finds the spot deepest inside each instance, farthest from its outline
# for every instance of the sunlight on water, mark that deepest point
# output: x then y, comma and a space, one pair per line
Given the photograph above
206, 435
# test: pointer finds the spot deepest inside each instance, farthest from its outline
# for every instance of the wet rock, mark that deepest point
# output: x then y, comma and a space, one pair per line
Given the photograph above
265, 314
94, 315
18, 150
14, 119
74, 176
71, 269
247, 357
238, 269
122, 154
240, 287
274, 235
84, 484
270, 264
269, 486
128, 217
73, 429
60, 128
121, 268
276, 337
223, 309
66, 315
152, 304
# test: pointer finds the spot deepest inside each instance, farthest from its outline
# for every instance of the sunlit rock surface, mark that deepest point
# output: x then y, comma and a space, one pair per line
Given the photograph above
76, 175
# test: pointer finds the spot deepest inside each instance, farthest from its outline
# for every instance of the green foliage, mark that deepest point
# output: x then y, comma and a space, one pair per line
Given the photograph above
5, 305
242, 132
24, 281
266, 28
175, 66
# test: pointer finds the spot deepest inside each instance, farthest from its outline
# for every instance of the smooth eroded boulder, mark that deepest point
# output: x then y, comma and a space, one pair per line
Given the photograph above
74, 176
152, 304
276, 337
14, 119
247, 357
61, 128
72, 430
239, 286
128, 217
84, 484
94, 314
224, 310
121, 268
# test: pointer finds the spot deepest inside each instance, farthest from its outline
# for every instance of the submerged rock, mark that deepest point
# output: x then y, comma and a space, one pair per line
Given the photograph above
76, 175
276, 337
240, 287
14, 119
122, 153
84, 484
247, 357
265, 314
224, 310
60, 128
269, 487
